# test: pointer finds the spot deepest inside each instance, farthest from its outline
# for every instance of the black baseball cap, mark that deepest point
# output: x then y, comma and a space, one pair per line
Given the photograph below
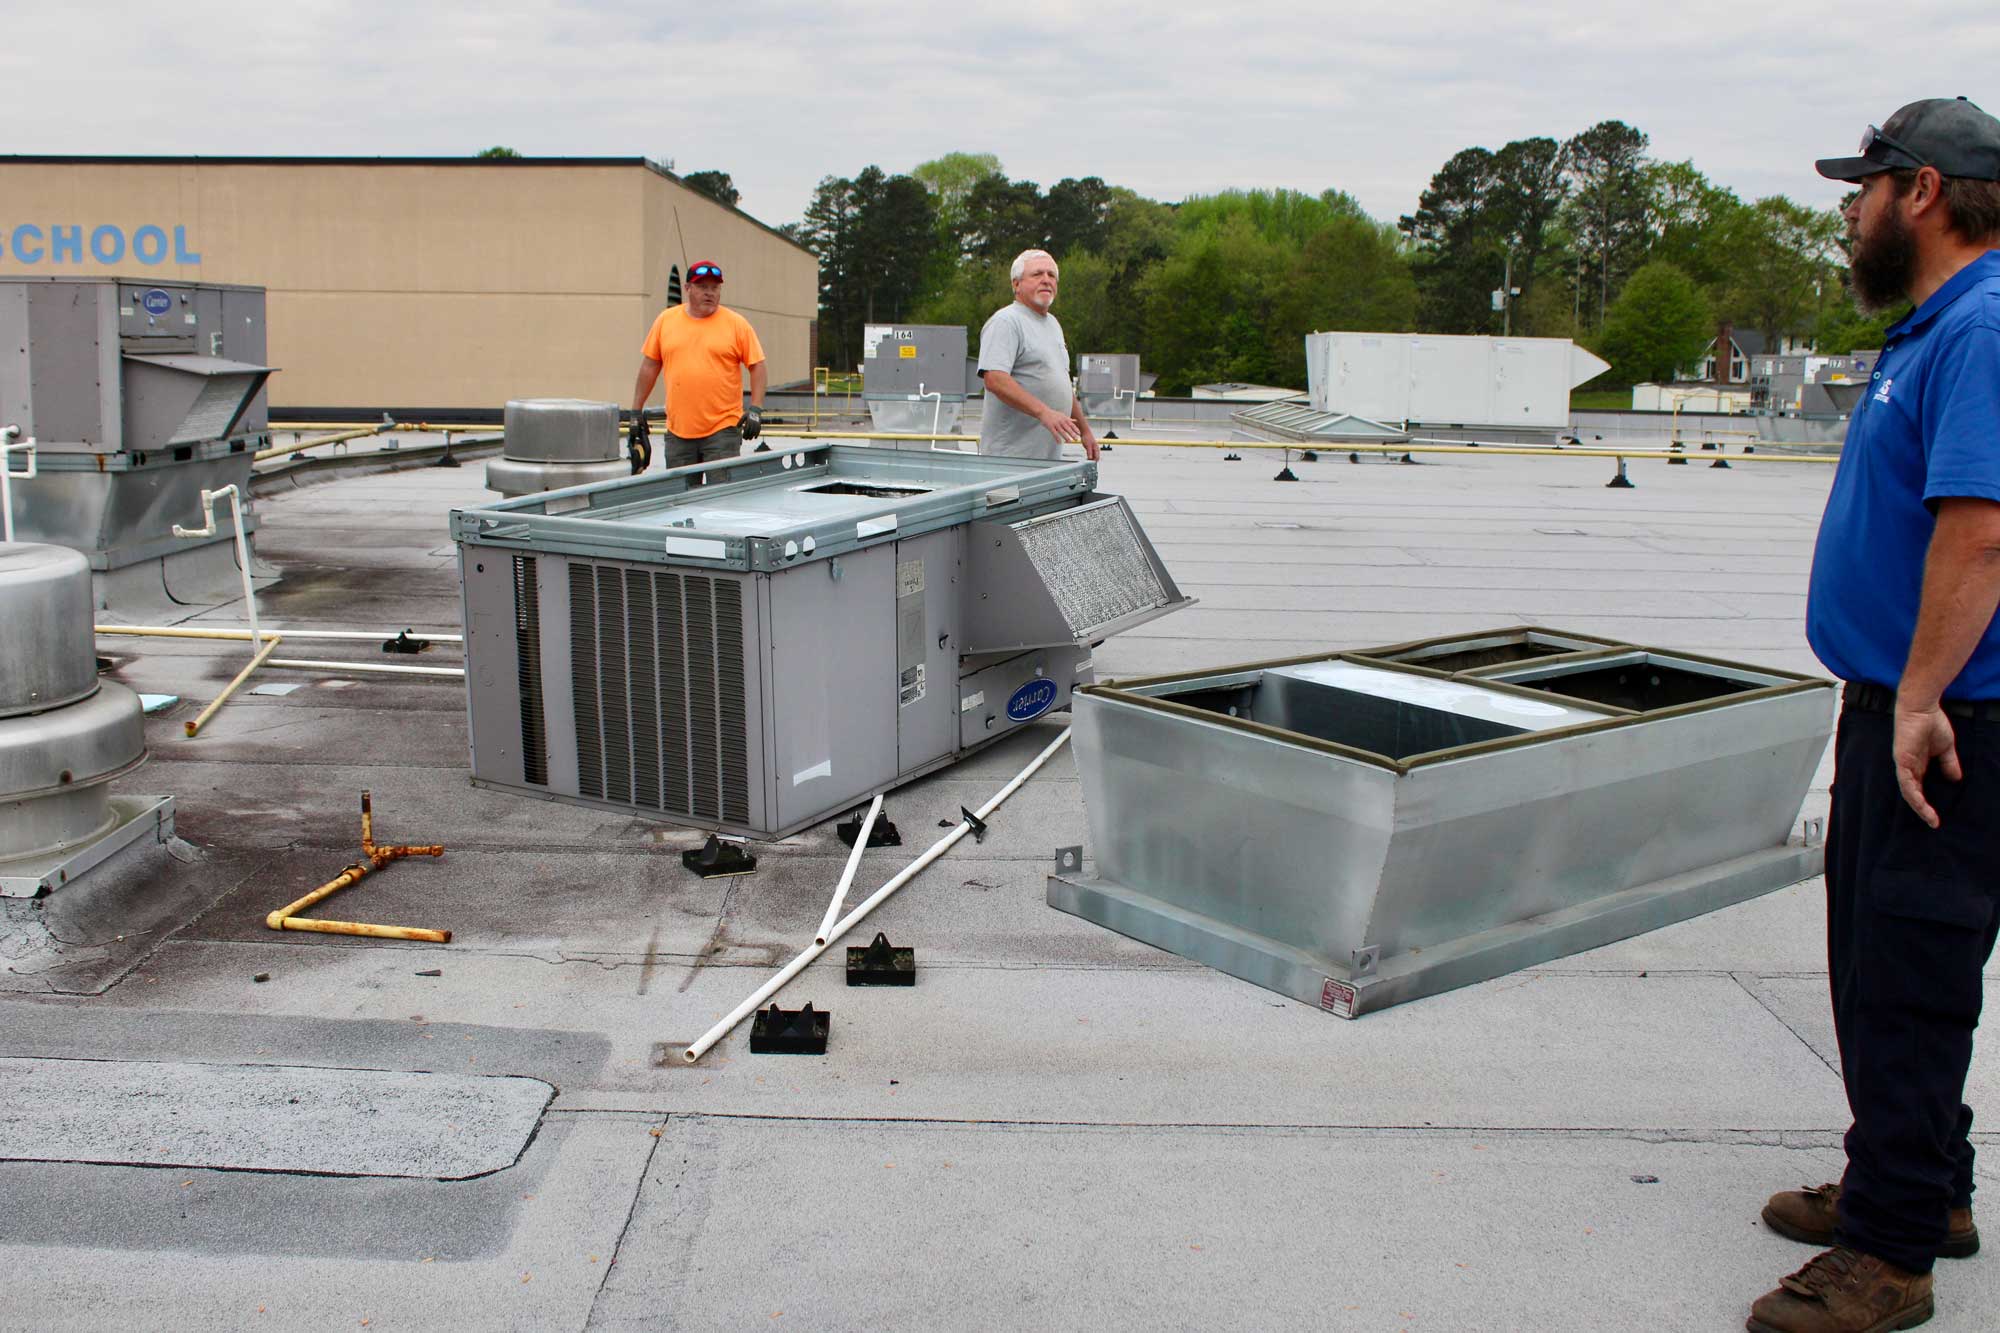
1948, 133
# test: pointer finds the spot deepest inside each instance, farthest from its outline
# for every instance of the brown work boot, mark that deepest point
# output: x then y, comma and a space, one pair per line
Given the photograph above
1808, 1215
1844, 1291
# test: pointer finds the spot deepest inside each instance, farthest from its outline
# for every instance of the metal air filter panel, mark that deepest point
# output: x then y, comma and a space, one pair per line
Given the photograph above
1074, 577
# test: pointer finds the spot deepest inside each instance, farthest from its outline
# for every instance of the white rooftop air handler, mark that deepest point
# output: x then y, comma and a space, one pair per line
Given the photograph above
1447, 381
914, 377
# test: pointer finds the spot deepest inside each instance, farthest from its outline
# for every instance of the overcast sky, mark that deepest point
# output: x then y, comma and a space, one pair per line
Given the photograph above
1169, 99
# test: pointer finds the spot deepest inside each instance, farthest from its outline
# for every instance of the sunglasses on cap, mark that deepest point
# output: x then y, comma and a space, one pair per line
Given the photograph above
1873, 136
704, 271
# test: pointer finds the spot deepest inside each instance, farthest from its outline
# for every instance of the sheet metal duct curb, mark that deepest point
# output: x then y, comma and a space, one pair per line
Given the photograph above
1354, 830
806, 629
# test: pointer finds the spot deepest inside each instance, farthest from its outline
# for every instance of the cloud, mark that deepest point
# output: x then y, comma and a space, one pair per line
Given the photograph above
1169, 99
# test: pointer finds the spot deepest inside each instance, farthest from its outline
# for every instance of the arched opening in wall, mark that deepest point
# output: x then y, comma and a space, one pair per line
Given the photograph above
674, 285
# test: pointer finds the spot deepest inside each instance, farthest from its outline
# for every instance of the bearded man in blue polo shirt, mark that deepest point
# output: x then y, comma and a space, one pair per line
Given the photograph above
1905, 581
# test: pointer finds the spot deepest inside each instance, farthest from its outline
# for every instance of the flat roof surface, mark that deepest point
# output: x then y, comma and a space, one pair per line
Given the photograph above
1057, 1127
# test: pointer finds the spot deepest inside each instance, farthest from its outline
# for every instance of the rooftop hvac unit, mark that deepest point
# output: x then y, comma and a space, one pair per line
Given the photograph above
1109, 383
914, 377
807, 628
139, 396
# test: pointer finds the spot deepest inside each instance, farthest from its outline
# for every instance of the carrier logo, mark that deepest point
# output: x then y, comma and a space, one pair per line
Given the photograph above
31, 244
156, 302
1031, 700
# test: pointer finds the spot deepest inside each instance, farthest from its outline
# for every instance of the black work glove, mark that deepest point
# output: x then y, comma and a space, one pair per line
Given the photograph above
639, 445
752, 424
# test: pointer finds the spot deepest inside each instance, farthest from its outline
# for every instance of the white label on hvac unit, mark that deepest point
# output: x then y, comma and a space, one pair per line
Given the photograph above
909, 577
823, 769
871, 338
911, 686
705, 548
972, 701
874, 527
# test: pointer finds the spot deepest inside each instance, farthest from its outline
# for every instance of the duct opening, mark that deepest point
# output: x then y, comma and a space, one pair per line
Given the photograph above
1391, 727
1641, 685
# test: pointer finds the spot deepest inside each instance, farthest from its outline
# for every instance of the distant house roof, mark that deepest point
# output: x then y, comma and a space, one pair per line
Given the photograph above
1748, 342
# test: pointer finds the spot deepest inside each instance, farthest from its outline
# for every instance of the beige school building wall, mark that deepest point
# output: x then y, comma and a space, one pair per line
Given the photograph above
419, 283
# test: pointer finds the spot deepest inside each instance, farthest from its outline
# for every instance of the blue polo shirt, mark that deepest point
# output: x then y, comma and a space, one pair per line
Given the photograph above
1927, 430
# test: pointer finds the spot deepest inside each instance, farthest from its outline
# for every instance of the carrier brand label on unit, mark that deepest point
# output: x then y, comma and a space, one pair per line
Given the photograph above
1031, 700
1337, 997
157, 302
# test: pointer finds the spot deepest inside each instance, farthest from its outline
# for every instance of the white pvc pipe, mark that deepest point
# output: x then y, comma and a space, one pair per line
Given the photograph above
8, 447
204, 632
208, 499
847, 875
874, 900
374, 668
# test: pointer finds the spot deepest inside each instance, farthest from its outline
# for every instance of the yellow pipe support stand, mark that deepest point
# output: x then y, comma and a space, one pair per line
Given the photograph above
287, 918
271, 642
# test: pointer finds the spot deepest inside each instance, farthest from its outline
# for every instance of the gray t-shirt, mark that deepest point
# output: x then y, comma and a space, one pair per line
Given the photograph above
1030, 347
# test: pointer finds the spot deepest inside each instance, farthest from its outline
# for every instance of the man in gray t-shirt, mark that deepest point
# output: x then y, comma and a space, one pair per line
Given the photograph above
1024, 363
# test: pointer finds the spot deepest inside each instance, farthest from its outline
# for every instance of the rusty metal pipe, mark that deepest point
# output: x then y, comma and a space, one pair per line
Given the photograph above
287, 918
416, 933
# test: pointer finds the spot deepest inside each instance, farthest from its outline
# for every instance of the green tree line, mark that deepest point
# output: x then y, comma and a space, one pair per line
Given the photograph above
1639, 259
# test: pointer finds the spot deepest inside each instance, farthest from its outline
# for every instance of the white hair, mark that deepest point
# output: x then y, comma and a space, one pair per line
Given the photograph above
1021, 263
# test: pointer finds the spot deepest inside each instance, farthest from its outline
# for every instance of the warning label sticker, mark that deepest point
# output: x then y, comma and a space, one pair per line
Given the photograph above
1337, 997
912, 688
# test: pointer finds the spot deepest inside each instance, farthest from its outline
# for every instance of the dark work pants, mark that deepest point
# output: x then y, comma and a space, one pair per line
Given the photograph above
725, 443
1911, 917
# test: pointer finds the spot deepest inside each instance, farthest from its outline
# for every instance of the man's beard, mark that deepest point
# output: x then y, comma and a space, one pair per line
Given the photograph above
1883, 265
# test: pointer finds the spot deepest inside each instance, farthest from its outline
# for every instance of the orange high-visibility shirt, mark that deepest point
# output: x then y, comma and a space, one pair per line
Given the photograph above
702, 361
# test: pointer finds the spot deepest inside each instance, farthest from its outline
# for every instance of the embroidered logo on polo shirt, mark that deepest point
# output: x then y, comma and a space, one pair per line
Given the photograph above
1882, 394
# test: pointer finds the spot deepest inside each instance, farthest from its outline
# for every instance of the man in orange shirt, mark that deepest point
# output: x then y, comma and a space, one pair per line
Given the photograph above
703, 350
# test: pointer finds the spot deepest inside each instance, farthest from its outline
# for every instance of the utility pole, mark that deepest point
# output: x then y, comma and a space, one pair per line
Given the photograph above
1503, 297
